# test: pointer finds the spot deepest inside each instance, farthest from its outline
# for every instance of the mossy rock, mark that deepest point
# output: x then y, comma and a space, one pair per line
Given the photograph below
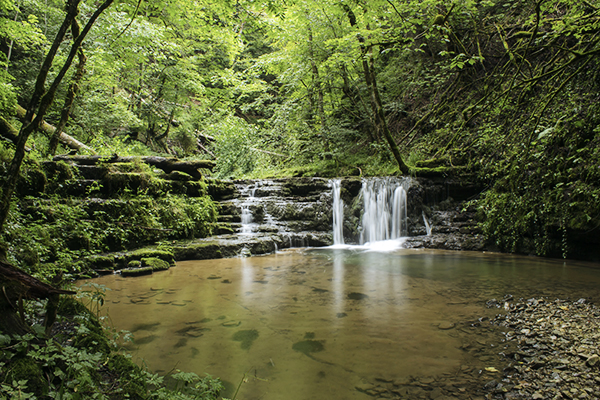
165, 255
195, 188
223, 229
221, 190
155, 263
69, 307
134, 264
197, 251
101, 262
305, 186
136, 271
177, 176
134, 182
59, 171
32, 183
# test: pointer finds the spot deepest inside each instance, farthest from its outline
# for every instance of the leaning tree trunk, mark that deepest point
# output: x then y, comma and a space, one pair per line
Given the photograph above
380, 117
50, 131
376, 104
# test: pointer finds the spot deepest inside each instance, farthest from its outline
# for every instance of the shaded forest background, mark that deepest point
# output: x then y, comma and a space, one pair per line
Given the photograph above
500, 93
504, 92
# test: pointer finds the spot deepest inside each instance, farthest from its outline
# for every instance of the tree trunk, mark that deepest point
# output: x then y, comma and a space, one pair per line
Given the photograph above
380, 116
71, 93
376, 104
316, 81
44, 100
50, 130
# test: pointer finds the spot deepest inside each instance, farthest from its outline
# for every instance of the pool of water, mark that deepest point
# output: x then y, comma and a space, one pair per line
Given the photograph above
332, 323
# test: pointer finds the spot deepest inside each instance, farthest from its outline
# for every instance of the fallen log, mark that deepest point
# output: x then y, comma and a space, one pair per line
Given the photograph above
49, 130
168, 165
16, 285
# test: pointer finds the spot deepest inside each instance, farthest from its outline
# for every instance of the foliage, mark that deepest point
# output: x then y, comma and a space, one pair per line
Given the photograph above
79, 362
56, 233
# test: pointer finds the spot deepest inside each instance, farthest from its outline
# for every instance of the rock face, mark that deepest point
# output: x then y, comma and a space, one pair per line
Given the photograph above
436, 214
263, 215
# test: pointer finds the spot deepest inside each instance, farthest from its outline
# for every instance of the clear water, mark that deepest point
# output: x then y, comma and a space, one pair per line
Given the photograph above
318, 323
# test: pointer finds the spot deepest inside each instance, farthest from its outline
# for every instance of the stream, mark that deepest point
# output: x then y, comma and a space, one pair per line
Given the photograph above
335, 323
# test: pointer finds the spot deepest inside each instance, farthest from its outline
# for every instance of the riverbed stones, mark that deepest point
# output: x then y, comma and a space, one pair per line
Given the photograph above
553, 350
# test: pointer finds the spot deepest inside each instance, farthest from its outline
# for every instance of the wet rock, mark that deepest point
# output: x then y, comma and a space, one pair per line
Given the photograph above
446, 325
593, 361
357, 296
553, 345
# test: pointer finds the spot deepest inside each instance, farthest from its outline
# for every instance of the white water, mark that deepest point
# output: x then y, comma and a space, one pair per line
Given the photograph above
246, 217
384, 214
338, 213
384, 220
427, 226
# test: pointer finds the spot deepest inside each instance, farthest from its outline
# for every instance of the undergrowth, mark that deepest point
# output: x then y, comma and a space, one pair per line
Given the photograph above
83, 359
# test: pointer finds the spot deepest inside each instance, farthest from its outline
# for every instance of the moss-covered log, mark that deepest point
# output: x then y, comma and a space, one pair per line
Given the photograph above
166, 164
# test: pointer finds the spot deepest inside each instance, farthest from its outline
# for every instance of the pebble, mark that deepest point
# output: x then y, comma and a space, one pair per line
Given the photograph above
552, 348
445, 325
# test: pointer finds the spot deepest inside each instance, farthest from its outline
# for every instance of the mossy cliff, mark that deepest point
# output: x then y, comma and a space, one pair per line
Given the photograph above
65, 216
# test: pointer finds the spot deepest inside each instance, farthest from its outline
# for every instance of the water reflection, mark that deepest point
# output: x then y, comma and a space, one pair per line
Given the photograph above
318, 323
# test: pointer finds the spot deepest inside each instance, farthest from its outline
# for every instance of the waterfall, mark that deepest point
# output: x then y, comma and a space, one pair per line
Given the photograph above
246, 215
427, 226
246, 219
384, 214
338, 213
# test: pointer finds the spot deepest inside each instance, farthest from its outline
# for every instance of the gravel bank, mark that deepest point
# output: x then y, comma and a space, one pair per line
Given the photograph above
553, 350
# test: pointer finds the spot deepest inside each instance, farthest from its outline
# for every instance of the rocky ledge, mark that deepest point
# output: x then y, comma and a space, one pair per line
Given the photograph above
553, 349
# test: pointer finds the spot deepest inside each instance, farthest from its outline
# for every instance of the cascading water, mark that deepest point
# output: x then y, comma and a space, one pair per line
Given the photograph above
247, 219
427, 226
338, 213
384, 210
384, 214
246, 214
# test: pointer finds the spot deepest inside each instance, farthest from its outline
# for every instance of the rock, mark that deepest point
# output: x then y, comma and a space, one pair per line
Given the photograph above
445, 325
593, 361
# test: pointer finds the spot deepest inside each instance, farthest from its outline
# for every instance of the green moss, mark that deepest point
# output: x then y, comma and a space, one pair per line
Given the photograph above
165, 255
134, 264
92, 342
197, 251
24, 369
101, 262
136, 271
70, 307
436, 172
155, 263
131, 382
